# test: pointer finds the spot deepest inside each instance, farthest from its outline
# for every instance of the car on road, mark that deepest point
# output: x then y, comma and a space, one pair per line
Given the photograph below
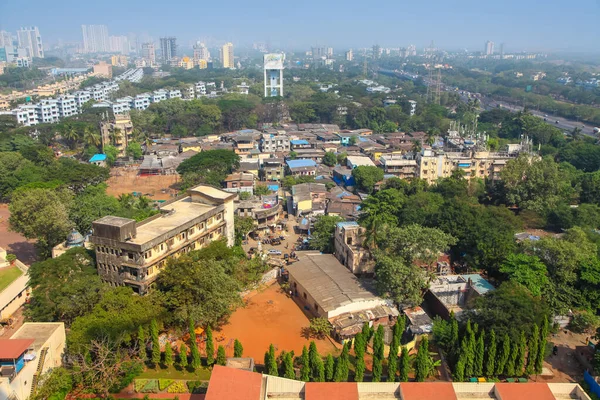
556, 122
274, 252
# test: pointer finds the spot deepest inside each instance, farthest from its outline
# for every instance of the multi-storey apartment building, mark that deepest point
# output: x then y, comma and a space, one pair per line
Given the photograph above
349, 250
67, 106
117, 132
399, 166
131, 253
270, 143
47, 111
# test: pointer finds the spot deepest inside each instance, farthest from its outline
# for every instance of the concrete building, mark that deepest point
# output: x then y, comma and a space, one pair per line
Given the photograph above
349, 55
29, 38
119, 61
359, 161
103, 69
301, 167
119, 44
453, 293
232, 383
270, 143
133, 254
14, 295
33, 350
489, 48
272, 169
67, 106
201, 52
95, 38
264, 211
349, 250
227, 58
168, 48
398, 166
6, 39
413, 107
273, 74
149, 54
117, 132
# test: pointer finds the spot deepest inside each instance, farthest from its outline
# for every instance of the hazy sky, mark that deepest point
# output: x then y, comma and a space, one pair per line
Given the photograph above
520, 24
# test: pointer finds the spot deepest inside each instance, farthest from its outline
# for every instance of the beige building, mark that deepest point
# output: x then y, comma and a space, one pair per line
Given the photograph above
133, 253
349, 250
118, 61
103, 69
398, 166
117, 132
33, 350
227, 56
14, 295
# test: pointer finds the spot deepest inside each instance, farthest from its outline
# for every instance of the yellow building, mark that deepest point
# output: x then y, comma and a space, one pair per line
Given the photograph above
103, 69
186, 63
202, 64
117, 132
119, 61
227, 55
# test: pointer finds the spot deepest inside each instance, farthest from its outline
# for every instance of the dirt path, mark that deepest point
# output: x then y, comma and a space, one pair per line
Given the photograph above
565, 366
126, 180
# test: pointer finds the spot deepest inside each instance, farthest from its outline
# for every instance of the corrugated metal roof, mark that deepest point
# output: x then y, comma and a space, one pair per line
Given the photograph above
301, 163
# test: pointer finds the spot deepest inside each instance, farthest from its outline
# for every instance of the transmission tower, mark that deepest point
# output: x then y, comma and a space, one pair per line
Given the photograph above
438, 86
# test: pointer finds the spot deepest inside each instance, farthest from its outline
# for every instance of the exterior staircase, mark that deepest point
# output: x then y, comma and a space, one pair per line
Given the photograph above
38, 372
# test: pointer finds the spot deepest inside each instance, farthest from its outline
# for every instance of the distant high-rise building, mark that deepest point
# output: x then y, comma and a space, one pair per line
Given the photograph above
412, 50
95, 38
168, 48
149, 53
329, 52
349, 55
273, 70
6, 39
119, 44
376, 51
31, 40
227, 56
201, 52
501, 50
318, 52
489, 48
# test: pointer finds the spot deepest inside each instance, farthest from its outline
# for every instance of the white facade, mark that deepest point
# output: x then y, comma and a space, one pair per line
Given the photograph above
26, 115
5, 39
47, 111
119, 44
273, 74
200, 88
141, 101
413, 107
95, 38
31, 40
174, 94
67, 106
201, 52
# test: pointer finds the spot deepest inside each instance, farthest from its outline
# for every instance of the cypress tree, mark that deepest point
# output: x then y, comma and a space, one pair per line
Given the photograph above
393, 358
359, 344
480, 354
503, 355
288, 366
490, 366
520, 357
183, 360
272, 359
377, 369
378, 344
539, 362
404, 365
155, 344
534, 343
238, 349
341, 366
422, 361
359, 370
221, 357
399, 328
314, 358
305, 368
210, 346
459, 370
196, 358
454, 340
329, 367
142, 343
465, 354
320, 369
168, 355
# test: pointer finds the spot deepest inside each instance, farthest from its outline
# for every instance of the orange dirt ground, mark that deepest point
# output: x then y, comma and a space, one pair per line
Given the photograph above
126, 180
13, 242
269, 317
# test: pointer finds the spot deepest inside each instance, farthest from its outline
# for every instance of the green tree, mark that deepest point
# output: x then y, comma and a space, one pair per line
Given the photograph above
526, 270
261, 190
490, 365
314, 357
168, 355
323, 233
320, 371
520, 359
423, 362
459, 370
404, 365
359, 369
111, 154
539, 362
288, 367
377, 369
305, 365
142, 343
479, 353
91, 137
393, 357
329, 367
342, 365
329, 159
504, 355
510, 369
238, 349
402, 282
183, 360
378, 344
155, 358
533, 349
366, 177
134, 149
221, 357
210, 346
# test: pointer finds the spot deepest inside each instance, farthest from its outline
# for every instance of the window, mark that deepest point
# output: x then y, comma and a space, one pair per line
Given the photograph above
305, 297
316, 307
349, 241
170, 242
219, 216
130, 255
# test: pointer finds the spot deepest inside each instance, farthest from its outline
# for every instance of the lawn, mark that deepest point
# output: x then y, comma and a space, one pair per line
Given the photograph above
8, 275
202, 374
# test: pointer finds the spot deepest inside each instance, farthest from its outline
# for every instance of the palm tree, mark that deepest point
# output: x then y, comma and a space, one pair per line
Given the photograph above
114, 135
91, 138
416, 147
70, 134
576, 133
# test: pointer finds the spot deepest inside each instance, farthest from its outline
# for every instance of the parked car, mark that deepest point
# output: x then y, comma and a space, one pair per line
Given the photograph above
274, 252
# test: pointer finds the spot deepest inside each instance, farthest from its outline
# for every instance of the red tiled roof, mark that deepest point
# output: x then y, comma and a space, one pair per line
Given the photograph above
233, 384
427, 391
11, 349
523, 391
330, 391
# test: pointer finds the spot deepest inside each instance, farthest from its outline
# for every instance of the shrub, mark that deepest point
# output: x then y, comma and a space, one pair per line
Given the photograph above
584, 322
151, 386
319, 327
197, 387
178, 387
164, 383
139, 384
132, 369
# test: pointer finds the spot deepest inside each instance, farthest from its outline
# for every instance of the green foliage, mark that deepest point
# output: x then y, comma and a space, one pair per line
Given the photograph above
393, 357
342, 365
329, 367
378, 345
423, 362
63, 288
54, 385
323, 233
261, 190
479, 354
526, 270
238, 349
221, 357
178, 387
222, 161
183, 360
402, 282
155, 357
288, 366
520, 356
329, 159
210, 347
539, 361
151, 386
168, 355
490, 365
584, 321
139, 384
366, 177
377, 369
197, 387
134, 149
244, 195
404, 365
305, 365
271, 362
359, 369
164, 383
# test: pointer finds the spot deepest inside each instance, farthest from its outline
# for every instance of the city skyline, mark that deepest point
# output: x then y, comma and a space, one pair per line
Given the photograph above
523, 25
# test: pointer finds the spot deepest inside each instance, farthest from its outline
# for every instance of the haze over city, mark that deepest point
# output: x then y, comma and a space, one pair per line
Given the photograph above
523, 25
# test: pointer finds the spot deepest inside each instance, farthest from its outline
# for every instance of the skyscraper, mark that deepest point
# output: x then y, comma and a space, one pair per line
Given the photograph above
201, 52
5, 39
273, 70
489, 48
349, 55
31, 40
95, 38
227, 55
168, 48
119, 44
149, 53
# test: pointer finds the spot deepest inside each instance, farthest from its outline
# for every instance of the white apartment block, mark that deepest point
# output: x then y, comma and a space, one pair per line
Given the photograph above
158, 95
141, 101
26, 115
67, 106
174, 94
271, 143
200, 88
122, 105
47, 111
